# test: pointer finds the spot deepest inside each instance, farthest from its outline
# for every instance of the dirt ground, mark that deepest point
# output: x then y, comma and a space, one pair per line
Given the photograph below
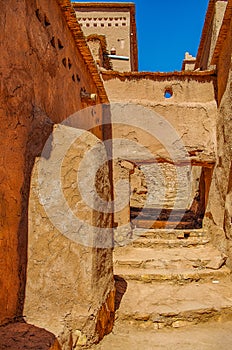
210, 336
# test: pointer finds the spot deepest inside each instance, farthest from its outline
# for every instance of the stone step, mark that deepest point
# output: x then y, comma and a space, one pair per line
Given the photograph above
175, 258
163, 305
160, 238
144, 242
179, 276
170, 233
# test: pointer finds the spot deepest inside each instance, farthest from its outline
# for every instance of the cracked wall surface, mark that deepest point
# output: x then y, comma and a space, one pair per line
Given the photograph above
188, 116
42, 73
69, 274
191, 110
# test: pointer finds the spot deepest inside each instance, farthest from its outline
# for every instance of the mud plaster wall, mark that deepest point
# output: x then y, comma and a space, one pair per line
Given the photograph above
219, 211
38, 60
191, 111
70, 244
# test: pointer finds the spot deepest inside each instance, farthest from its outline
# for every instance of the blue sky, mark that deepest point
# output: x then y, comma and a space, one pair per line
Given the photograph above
166, 30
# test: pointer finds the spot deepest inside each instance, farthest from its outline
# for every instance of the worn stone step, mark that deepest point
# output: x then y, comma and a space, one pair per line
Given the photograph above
144, 242
174, 276
170, 233
157, 238
175, 258
164, 305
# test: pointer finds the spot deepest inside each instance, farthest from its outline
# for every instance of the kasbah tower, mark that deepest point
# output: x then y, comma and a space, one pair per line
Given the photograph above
116, 185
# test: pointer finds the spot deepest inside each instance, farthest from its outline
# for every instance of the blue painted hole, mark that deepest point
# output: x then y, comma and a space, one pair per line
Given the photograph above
168, 93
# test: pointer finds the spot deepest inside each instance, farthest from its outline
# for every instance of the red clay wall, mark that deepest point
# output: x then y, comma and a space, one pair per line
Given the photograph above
42, 72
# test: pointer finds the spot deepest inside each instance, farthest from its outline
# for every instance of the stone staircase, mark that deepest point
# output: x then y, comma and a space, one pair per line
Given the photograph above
171, 278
